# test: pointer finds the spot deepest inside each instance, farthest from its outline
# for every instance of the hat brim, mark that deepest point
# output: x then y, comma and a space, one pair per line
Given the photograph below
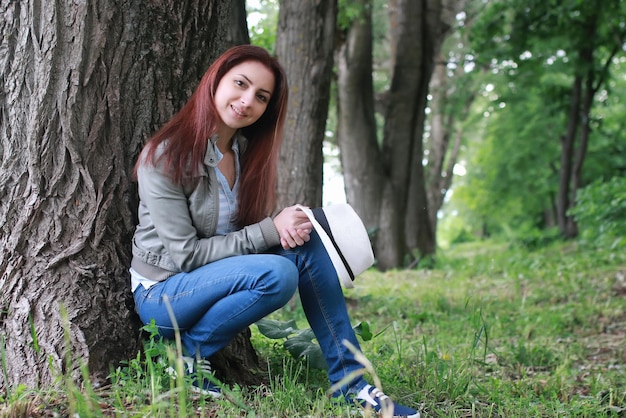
335, 258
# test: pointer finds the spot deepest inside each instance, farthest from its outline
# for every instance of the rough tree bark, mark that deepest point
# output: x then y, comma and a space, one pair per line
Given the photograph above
304, 45
83, 85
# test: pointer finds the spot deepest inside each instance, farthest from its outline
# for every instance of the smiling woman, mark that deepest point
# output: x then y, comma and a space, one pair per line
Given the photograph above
208, 259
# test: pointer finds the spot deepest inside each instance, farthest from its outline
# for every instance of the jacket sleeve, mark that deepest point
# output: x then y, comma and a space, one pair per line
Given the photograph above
168, 208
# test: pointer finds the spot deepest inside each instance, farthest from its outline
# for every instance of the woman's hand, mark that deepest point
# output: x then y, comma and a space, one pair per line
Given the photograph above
293, 226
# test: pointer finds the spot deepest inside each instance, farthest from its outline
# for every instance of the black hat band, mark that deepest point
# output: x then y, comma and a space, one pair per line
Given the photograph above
320, 216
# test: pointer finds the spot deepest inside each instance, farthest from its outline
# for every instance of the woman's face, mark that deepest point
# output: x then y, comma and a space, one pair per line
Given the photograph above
243, 93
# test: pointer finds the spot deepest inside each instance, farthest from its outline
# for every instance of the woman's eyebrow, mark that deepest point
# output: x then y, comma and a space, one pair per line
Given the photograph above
250, 82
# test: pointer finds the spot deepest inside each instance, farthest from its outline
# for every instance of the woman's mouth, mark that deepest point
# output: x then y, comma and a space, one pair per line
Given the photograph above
238, 111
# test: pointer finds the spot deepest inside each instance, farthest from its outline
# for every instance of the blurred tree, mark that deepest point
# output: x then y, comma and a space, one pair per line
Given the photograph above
84, 84
385, 181
557, 57
453, 88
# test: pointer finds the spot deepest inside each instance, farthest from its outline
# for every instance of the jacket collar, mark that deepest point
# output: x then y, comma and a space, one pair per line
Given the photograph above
210, 157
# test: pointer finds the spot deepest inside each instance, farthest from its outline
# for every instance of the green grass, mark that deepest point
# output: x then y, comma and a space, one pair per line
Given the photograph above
491, 331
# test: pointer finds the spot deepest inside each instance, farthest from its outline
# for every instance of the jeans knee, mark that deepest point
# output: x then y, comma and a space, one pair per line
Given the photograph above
285, 276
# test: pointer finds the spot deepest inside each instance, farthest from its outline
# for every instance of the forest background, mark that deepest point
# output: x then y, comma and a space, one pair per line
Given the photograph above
467, 120
523, 117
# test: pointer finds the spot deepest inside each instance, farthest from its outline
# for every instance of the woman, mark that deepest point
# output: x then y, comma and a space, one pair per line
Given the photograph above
206, 248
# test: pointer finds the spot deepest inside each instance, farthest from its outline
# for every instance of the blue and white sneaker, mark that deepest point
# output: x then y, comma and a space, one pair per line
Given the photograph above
372, 399
203, 380
201, 374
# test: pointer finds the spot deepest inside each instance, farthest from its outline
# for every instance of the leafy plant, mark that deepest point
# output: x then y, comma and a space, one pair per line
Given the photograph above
601, 209
300, 343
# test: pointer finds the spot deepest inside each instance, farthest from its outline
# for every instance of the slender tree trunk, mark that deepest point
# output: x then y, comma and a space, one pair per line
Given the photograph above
237, 31
418, 230
446, 135
305, 41
567, 151
441, 125
84, 84
585, 114
587, 82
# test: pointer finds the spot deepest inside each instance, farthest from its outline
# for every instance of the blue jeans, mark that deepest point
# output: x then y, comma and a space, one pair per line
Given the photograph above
215, 302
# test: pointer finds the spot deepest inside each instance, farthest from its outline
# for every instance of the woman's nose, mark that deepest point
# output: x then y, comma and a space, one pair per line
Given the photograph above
246, 99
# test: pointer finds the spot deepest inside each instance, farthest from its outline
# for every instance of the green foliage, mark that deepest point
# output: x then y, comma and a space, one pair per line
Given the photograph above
146, 377
263, 23
156, 383
533, 51
350, 11
301, 343
607, 151
453, 229
535, 238
600, 211
510, 182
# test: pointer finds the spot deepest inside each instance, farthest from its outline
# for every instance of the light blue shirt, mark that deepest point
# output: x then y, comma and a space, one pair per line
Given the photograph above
229, 201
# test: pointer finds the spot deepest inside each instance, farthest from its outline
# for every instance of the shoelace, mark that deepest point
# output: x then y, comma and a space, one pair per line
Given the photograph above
188, 365
203, 366
377, 393
373, 397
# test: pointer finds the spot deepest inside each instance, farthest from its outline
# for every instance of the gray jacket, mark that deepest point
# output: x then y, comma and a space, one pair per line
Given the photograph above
177, 223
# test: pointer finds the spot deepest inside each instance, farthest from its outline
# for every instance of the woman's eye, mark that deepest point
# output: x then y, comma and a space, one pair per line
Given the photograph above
240, 83
262, 98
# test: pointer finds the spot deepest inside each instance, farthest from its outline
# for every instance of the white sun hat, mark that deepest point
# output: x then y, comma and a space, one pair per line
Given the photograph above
345, 238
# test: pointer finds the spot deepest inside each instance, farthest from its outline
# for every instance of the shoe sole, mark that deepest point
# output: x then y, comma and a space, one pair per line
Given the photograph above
211, 393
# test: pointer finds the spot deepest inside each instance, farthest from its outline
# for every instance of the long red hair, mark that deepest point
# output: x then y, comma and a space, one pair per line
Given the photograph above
187, 135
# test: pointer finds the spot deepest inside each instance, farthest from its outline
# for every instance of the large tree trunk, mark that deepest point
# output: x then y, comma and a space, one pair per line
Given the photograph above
363, 173
387, 183
405, 211
437, 17
84, 84
377, 179
304, 45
